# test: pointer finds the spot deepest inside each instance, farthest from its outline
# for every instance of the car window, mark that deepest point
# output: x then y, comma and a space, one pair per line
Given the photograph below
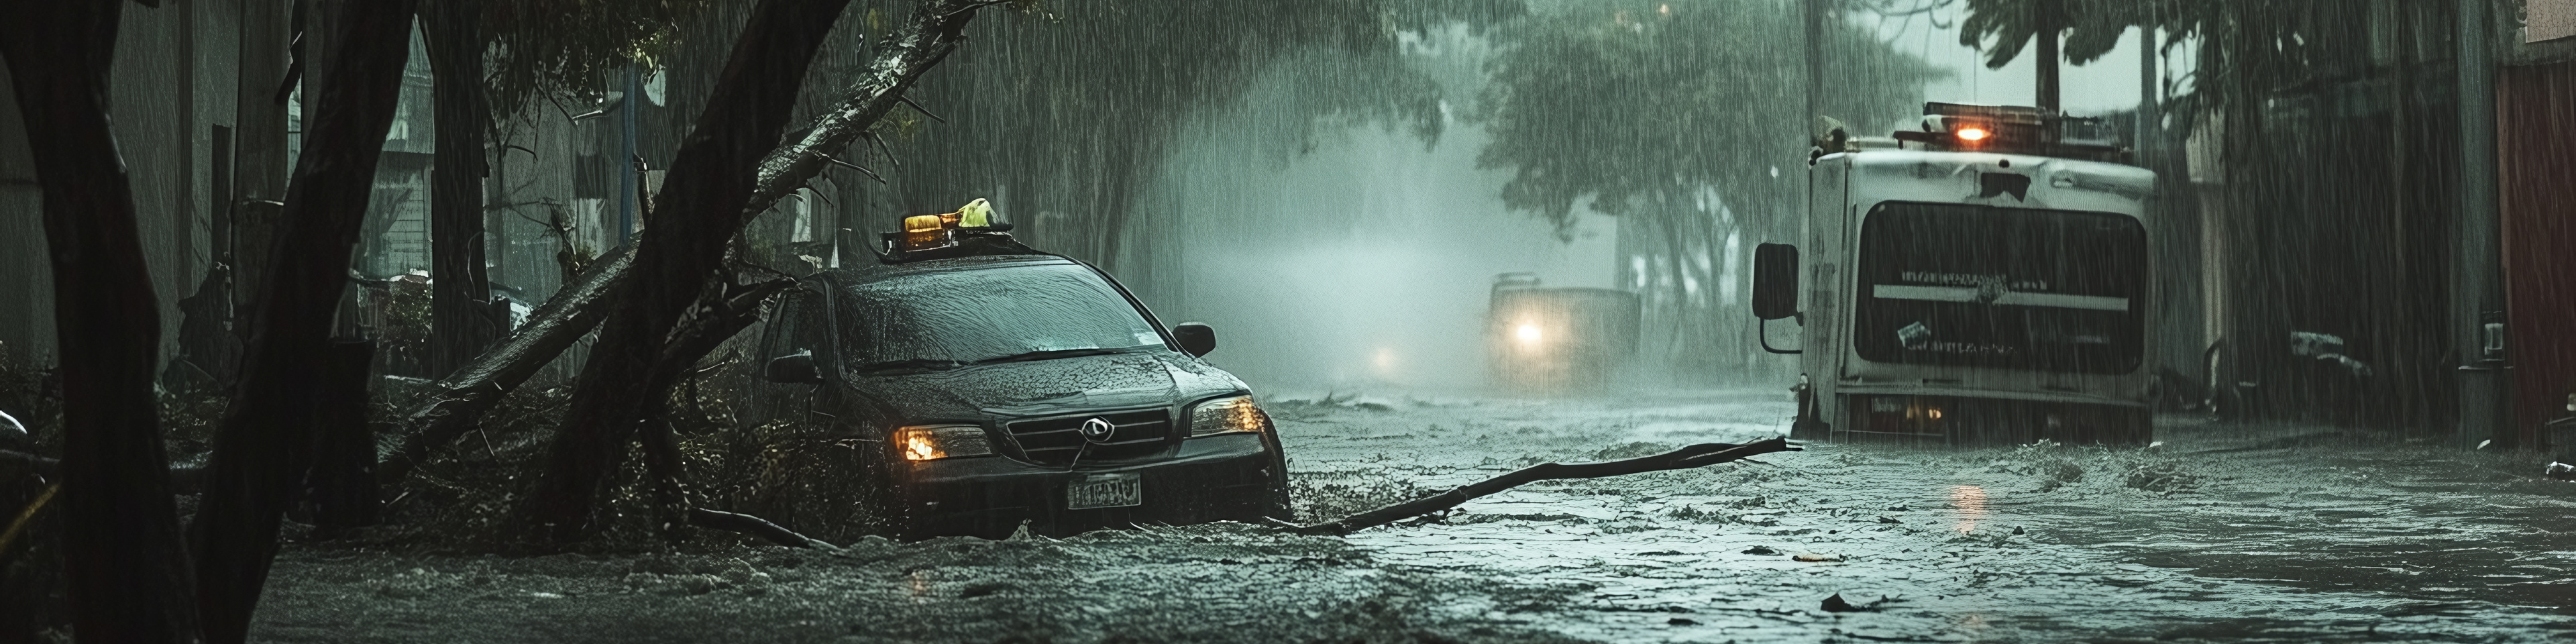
797, 326
943, 318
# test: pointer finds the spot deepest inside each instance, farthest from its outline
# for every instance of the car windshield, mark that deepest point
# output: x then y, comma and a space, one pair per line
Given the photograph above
1003, 313
1970, 285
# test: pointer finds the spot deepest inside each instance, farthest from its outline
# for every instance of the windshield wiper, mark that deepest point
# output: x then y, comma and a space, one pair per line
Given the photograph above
910, 363
1049, 354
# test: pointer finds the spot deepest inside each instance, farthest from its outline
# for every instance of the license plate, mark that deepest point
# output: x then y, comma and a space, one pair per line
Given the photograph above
1104, 491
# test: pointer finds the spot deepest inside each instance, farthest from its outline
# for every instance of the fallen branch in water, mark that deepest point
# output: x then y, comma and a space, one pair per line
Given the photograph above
755, 526
1680, 459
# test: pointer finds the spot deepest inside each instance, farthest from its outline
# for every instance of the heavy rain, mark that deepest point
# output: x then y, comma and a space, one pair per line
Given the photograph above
1093, 321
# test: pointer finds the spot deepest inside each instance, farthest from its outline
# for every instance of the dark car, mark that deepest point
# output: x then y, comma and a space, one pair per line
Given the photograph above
975, 391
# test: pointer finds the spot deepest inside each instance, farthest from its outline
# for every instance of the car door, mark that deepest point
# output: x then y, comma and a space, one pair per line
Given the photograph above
798, 325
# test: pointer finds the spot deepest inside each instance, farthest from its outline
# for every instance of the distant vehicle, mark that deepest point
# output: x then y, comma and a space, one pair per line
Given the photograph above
969, 385
1988, 284
1543, 339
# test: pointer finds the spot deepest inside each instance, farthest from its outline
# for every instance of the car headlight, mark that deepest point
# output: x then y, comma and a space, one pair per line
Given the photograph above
1227, 416
933, 442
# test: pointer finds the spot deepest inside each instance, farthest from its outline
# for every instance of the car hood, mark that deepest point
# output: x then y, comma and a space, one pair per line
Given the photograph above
1043, 387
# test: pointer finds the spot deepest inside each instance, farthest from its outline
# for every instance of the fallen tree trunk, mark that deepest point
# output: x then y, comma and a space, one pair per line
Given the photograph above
1681, 459
462, 397
459, 400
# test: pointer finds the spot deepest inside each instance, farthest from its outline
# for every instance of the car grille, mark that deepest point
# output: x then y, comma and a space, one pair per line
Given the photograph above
1055, 441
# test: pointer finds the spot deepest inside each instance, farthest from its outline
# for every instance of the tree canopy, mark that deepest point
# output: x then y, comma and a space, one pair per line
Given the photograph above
1628, 101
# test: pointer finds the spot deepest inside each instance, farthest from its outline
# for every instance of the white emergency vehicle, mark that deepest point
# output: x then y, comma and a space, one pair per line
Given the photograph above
1986, 280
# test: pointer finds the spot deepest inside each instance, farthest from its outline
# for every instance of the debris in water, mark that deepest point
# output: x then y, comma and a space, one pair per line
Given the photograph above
1816, 556
2560, 471
1682, 621
1761, 550
1835, 604
1689, 457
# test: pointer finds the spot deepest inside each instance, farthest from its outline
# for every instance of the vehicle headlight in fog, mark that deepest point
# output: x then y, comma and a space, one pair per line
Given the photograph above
933, 442
1527, 333
1227, 416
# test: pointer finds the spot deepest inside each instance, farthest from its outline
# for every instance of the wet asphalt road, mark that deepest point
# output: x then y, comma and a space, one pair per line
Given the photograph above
2220, 534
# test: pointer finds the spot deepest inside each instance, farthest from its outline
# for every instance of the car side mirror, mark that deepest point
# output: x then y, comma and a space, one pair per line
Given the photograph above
794, 368
1196, 338
1775, 281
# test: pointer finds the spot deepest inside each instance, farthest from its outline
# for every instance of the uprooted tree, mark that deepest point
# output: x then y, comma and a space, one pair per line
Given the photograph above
678, 291
454, 404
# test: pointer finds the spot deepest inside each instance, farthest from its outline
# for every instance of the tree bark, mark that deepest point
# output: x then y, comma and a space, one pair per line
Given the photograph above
264, 446
459, 400
461, 324
342, 485
128, 575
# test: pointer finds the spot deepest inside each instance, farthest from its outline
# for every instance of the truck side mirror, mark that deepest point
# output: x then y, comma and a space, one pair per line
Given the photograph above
1775, 281
1196, 338
794, 368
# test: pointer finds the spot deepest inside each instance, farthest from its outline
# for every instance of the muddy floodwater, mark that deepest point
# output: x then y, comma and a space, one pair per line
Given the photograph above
2220, 533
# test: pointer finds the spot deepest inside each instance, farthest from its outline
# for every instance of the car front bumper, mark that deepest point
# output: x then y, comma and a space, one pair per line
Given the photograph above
1210, 478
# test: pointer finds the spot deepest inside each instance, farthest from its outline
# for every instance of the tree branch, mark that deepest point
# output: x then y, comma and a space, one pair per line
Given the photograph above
1680, 459
935, 29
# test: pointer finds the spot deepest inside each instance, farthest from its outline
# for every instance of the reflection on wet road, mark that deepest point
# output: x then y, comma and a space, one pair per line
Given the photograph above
2219, 534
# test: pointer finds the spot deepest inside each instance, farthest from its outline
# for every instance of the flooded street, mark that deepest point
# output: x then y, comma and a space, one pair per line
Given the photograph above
2218, 534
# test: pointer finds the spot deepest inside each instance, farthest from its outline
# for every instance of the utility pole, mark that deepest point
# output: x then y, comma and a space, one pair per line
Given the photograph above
2150, 116
1815, 60
2477, 300
2047, 16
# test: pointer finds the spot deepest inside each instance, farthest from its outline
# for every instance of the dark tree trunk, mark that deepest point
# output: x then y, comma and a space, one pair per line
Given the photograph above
259, 171
342, 486
264, 447
712, 178
461, 323
128, 575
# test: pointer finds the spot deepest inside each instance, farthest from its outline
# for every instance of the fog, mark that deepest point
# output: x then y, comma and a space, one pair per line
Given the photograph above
1359, 256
